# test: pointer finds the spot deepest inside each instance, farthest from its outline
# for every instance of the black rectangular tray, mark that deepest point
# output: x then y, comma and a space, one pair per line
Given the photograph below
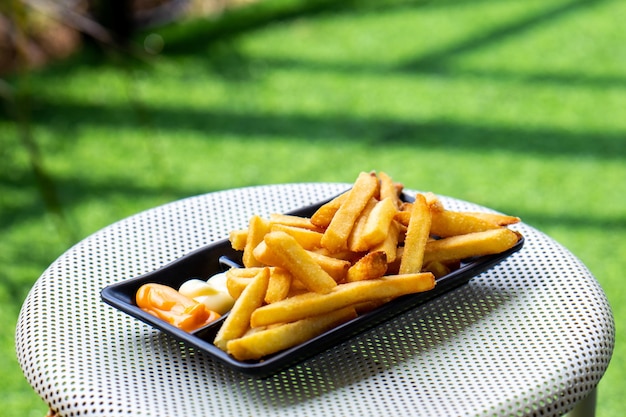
219, 256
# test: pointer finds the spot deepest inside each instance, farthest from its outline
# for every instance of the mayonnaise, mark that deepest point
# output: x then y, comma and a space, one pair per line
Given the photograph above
212, 293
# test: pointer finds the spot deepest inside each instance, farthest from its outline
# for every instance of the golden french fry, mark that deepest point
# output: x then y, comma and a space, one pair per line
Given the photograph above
346, 255
237, 283
343, 295
238, 278
495, 218
275, 339
402, 229
336, 234
378, 221
390, 245
294, 221
335, 267
390, 189
433, 202
373, 265
238, 239
416, 236
403, 215
308, 239
488, 242
250, 272
257, 229
238, 320
263, 254
323, 215
438, 269
356, 240
279, 285
295, 259
367, 306
448, 223
296, 287
393, 268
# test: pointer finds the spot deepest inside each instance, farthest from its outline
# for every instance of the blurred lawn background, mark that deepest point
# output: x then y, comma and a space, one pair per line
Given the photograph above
517, 105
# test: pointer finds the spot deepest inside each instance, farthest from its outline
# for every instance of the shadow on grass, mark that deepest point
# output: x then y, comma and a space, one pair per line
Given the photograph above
64, 115
213, 36
374, 131
432, 60
193, 36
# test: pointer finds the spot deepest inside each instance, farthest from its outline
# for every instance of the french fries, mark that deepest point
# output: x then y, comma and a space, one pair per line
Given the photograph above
258, 228
356, 240
308, 239
304, 276
336, 235
278, 286
470, 245
291, 256
390, 189
451, 223
322, 217
261, 343
373, 265
236, 323
344, 295
378, 222
417, 234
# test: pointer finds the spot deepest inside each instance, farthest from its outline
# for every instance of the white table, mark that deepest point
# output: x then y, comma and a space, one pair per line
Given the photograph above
532, 336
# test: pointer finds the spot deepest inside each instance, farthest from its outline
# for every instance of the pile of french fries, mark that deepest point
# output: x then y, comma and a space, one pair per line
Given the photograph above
304, 276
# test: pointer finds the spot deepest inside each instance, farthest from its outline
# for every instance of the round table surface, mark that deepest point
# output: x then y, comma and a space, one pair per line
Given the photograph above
531, 336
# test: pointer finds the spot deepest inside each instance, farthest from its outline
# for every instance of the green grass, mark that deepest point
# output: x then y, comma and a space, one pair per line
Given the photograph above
515, 105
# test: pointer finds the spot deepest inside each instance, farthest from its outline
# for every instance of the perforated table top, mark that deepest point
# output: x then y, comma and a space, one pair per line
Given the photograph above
531, 336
